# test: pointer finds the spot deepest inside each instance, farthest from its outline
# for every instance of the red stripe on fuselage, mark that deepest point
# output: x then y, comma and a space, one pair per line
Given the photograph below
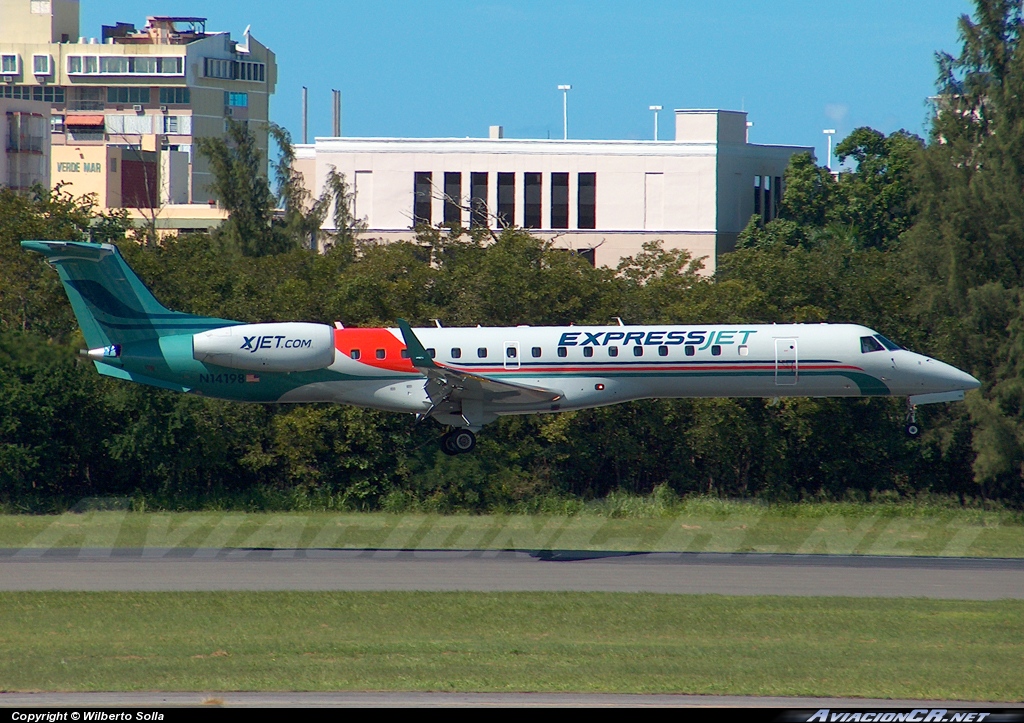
368, 341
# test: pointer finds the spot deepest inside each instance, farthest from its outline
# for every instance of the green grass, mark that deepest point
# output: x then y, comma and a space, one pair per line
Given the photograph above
617, 523
594, 642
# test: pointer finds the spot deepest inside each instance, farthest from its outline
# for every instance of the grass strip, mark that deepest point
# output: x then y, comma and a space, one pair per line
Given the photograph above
693, 526
582, 642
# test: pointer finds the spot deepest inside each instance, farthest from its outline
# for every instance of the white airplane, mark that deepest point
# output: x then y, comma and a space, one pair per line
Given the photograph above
465, 378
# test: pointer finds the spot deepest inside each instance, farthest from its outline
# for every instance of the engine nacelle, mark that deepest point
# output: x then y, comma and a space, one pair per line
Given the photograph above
283, 347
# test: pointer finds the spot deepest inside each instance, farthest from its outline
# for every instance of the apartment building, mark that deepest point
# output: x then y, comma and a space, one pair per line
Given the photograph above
127, 107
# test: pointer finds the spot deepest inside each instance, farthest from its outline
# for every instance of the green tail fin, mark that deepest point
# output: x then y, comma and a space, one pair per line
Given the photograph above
111, 303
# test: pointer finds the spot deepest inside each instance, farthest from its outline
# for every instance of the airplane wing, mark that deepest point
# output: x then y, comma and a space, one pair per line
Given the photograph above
446, 384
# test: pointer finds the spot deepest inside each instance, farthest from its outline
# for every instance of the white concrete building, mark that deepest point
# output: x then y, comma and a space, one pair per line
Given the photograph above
603, 199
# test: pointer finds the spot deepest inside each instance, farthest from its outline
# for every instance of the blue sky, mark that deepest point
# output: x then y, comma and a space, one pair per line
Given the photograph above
451, 68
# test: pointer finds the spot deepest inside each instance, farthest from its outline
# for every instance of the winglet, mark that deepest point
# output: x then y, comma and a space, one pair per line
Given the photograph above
417, 353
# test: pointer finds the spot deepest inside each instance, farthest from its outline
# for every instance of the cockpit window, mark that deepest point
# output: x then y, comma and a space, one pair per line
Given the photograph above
890, 345
869, 343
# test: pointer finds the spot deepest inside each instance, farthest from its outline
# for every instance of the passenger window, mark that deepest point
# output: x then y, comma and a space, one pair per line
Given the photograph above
482, 352
588, 351
456, 353
638, 351
562, 351
405, 353
716, 350
432, 353
535, 351
354, 354
690, 349
662, 351
743, 349
511, 352
613, 351
869, 344
381, 354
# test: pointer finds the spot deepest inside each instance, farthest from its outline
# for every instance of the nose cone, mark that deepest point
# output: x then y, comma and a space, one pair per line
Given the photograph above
953, 379
969, 382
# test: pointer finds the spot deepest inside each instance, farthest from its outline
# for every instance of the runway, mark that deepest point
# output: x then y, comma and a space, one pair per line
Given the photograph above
160, 569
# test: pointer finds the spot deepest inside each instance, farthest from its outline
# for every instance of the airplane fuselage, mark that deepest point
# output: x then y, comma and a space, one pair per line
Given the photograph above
589, 366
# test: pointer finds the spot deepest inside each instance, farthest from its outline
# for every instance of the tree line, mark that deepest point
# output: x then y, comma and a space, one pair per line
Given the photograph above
922, 239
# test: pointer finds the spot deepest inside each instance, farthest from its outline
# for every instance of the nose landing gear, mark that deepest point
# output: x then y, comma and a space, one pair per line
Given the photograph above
458, 441
912, 428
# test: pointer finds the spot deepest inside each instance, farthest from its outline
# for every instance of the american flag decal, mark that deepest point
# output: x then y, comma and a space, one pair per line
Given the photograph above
252, 378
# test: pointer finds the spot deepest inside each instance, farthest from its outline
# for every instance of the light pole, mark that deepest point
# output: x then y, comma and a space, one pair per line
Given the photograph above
829, 132
565, 110
655, 108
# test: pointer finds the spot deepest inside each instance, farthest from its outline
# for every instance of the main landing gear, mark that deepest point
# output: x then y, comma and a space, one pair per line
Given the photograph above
458, 441
913, 429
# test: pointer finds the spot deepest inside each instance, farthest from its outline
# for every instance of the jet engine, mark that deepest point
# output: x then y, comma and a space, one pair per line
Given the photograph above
283, 347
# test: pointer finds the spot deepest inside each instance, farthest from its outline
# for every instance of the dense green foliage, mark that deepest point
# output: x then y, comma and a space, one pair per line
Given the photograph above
923, 241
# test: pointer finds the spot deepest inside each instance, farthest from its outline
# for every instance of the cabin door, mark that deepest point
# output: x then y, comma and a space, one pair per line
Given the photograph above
511, 355
785, 362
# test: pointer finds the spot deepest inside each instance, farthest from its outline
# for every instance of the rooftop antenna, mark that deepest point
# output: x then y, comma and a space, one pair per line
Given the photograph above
336, 103
305, 114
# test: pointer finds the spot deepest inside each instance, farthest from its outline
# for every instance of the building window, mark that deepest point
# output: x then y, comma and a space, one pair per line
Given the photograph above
175, 96
236, 100
125, 65
422, 191
9, 63
86, 98
532, 208
757, 195
478, 200
115, 64
506, 200
27, 132
42, 65
776, 195
587, 201
453, 198
234, 70
559, 200
217, 68
127, 95
47, 93
131, 124
177, 125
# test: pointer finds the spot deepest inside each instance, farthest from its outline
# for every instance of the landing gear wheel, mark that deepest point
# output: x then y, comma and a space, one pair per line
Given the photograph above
463, 441
912, 429
446, 444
